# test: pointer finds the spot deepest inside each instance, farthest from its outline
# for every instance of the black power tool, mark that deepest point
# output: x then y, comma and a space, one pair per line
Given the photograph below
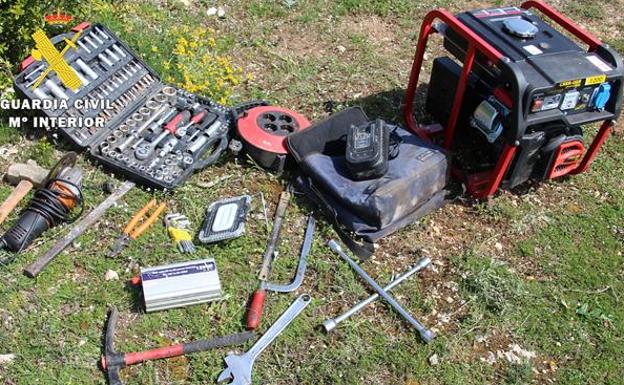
50, 205
367, 150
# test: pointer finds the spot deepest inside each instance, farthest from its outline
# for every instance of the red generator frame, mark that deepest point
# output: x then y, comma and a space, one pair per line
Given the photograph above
484, 184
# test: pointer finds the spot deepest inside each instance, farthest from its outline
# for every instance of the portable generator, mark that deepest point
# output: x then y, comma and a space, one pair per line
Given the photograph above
511, 99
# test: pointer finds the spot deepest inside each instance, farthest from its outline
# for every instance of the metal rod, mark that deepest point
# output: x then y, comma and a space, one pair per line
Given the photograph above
331, 323
426, 334
280, 211
85, 223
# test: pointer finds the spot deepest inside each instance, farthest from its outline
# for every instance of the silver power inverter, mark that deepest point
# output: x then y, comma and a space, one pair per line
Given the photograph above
180, 284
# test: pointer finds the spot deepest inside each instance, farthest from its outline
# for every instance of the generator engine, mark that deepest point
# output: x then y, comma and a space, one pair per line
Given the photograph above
514, 94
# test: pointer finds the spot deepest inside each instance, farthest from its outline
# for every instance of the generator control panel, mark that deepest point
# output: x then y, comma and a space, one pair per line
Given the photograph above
564, 79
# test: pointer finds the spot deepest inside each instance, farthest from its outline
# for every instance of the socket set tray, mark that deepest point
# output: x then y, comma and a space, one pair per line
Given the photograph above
153, 133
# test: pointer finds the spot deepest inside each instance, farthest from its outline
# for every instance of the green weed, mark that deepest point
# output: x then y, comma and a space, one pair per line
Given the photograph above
491, 285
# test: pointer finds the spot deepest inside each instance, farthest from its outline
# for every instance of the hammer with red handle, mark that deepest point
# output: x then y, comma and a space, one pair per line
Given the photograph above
113, 361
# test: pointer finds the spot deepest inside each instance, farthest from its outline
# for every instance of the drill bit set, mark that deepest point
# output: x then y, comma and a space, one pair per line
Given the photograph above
151, 132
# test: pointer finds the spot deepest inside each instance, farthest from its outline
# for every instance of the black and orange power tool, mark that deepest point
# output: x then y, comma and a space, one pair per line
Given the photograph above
50, 205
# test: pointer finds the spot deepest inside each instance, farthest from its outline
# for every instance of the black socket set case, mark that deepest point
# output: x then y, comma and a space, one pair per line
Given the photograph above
113, 71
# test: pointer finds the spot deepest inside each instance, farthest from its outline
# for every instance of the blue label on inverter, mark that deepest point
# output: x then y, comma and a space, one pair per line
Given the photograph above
177, 271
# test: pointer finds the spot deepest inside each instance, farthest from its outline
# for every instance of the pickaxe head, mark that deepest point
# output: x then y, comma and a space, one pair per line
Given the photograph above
237, 369
111, 360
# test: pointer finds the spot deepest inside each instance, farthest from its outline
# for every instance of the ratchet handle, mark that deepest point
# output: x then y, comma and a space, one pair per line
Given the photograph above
198, 117
254, 314
172, 125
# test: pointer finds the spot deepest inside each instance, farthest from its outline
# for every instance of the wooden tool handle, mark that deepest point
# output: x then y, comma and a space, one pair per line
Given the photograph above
254, 314
18, 193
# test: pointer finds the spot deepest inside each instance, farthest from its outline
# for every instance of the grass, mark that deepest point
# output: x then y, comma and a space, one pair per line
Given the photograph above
541, 270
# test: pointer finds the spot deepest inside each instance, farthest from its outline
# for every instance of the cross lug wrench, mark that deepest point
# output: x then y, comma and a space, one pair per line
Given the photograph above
239, 367
426, 334
331, 323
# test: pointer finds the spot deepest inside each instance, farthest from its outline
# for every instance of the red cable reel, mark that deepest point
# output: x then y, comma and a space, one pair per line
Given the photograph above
263, 131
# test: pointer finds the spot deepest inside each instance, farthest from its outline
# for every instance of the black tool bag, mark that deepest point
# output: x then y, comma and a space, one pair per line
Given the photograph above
370, 209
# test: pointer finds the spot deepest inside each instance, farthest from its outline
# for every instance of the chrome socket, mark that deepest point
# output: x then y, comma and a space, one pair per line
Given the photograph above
119, 50
88, 40
81, 44
101, 33
170, 93
112, 55
93, 35
143, 151
152, 104
160, 98
188, 160
138, 117
55, 89
105, 60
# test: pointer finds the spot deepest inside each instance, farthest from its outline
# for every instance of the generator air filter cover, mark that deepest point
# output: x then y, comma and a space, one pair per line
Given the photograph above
225, 219
180, 284
264, 131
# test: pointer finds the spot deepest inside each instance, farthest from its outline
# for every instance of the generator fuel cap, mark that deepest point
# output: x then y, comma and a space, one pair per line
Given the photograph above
264, 131
519, 28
